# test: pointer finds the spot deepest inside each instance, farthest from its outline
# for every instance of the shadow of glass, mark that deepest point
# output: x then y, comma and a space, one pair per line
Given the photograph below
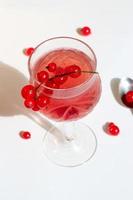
11, 102
11, 82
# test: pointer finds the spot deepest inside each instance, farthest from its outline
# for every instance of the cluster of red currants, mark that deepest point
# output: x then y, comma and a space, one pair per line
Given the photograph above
60, 75
37, 101
32, 100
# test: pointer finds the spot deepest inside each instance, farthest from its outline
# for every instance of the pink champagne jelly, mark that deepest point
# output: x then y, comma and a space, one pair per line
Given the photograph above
76, 97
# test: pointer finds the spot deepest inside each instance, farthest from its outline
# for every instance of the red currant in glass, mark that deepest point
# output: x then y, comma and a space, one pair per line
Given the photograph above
60, 80
61, 76
29, 51
74, 71
42, 101
28, 91
52, 84
29, 103
42, 76
52, 67
72, 113
25, 134
85, 31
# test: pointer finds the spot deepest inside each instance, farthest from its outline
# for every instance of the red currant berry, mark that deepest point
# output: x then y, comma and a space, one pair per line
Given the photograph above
25, 134
72, 113
42, 101
124, 100
74, 71
35, 108
29, 103
52, 67
85, 31
129, 96
111, 124
113, 130
42, 76
61, 76
60, 80
59, 71
28, 91
52, 84
29, 51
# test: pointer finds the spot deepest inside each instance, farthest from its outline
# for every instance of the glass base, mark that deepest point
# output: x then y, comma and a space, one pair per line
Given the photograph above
75, 145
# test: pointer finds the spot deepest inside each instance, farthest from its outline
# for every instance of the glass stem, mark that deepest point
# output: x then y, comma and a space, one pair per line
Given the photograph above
39, 119
47, 125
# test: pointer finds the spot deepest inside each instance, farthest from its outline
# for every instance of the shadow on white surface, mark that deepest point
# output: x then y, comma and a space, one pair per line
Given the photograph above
11, 102
11, 82
115, 90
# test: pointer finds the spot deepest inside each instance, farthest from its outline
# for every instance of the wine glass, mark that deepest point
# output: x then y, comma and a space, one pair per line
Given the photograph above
69, 100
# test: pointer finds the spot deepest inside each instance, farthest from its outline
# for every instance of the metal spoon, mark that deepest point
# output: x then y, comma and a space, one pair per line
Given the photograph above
125, 85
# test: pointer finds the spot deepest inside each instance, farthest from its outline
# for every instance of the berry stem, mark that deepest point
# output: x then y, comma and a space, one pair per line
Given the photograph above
60, 75
38, 88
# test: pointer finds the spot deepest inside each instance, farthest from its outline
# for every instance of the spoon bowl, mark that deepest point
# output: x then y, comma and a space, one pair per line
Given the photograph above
125, 85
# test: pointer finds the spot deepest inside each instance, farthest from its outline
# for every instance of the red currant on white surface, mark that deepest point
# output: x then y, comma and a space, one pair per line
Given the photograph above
25, 134
85, 31
112, 129
29, 51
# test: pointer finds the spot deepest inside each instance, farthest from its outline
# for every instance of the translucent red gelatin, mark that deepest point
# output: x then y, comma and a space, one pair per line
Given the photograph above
79, 102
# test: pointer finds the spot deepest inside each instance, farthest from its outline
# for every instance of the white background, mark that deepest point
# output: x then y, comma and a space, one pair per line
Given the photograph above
25, 173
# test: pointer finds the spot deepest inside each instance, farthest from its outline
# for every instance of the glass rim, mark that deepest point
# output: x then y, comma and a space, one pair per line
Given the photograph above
63, 37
